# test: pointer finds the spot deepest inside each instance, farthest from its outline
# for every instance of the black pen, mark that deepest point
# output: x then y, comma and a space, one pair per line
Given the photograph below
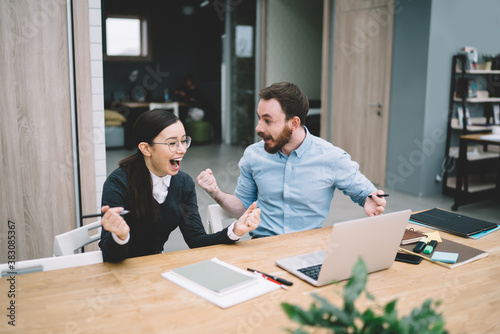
277, 279
124, 212
381, 195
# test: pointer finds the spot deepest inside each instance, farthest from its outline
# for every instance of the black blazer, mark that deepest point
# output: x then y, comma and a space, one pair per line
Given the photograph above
180, 209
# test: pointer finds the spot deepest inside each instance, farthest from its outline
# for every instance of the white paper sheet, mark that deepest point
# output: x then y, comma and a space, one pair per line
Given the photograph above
227, 299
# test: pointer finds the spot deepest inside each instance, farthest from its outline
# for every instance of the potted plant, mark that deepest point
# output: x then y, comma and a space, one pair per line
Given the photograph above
374, 320
487, 58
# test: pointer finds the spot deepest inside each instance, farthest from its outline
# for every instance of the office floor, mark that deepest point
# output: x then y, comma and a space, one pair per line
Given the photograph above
223, 161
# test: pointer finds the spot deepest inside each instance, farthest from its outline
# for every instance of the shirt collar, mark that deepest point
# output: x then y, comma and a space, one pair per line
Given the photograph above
156, 179
306, 143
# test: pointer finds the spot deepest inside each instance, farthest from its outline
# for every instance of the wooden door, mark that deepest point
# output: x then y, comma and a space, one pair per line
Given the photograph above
37, 196
361, 82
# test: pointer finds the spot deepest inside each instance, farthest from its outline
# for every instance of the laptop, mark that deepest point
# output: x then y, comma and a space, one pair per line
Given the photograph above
375, 239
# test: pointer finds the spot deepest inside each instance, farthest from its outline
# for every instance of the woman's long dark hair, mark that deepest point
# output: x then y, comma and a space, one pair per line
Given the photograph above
146, 128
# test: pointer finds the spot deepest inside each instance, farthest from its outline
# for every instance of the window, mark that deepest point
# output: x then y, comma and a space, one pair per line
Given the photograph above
126, 38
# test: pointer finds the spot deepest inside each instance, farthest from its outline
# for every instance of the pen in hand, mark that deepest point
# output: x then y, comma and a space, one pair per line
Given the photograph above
124, 212
277, 279
380, 195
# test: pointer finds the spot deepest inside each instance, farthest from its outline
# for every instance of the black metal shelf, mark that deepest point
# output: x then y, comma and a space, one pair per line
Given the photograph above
466, 190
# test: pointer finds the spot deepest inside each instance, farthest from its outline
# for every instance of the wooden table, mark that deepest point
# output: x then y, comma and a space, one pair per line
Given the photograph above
132, 297
462, 194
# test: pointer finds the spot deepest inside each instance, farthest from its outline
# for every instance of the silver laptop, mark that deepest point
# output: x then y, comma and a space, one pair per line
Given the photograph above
374, 239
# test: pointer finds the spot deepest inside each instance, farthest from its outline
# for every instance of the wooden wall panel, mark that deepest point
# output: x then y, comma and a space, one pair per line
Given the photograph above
36, 183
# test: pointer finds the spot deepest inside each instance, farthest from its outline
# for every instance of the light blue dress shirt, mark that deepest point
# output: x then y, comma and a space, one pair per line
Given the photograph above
295, 192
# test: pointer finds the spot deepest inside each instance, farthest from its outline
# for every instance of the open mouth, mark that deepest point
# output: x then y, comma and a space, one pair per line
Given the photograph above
268, 139
176, 163
264, 137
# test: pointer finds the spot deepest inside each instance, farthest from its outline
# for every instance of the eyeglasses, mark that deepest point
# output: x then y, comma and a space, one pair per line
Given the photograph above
174, 145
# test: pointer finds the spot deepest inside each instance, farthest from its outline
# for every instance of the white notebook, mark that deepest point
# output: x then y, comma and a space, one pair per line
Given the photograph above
215, 276
219, 282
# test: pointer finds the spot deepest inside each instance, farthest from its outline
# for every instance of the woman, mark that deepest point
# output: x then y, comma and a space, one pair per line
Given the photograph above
158, 195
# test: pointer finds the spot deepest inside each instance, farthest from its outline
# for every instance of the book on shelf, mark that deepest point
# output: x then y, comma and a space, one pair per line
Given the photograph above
460, 116
466, 254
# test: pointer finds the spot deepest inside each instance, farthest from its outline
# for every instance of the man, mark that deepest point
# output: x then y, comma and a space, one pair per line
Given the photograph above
291, 173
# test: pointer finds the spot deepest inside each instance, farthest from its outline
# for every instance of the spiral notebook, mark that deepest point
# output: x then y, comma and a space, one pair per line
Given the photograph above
453, 223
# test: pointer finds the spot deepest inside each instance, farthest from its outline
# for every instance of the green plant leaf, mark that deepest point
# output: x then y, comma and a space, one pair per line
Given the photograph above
356, 284
374, 320
296, 313
390, 307
335, 315
487, 57
424, 319
297, 331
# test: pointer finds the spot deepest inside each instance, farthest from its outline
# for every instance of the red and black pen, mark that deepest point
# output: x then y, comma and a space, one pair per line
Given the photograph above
272, 278
269, 279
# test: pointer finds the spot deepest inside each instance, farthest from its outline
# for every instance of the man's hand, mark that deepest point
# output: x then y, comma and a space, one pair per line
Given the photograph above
114, 223
248, 221
228, 202
375, 205
206, 180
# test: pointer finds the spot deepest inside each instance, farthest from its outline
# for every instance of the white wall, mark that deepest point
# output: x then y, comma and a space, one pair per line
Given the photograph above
97, 96
427, 34
293, 46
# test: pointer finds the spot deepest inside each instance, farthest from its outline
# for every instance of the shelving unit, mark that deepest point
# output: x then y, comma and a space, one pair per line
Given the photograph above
478, 100
479, 160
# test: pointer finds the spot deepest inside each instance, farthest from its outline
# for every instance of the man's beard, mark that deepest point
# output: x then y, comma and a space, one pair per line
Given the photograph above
283, 138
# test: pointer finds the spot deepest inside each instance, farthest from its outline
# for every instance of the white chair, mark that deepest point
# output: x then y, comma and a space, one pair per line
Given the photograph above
51, 263
216, 215
67, 243
166, 105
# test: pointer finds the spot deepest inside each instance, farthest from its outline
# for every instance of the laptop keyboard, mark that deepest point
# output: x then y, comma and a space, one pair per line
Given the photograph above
312, 271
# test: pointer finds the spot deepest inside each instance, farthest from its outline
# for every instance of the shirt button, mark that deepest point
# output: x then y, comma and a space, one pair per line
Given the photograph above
286, 206
289, 164
286, 186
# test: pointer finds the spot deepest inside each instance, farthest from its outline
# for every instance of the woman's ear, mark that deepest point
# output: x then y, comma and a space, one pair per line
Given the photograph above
145, 148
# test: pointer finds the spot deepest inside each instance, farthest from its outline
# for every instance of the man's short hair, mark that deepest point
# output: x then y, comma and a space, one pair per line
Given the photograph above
292, 99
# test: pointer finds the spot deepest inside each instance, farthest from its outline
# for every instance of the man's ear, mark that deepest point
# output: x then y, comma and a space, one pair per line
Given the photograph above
294, 123
145, 148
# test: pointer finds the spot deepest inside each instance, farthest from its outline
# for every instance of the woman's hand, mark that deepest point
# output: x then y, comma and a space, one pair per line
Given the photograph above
114, 223
248, 221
